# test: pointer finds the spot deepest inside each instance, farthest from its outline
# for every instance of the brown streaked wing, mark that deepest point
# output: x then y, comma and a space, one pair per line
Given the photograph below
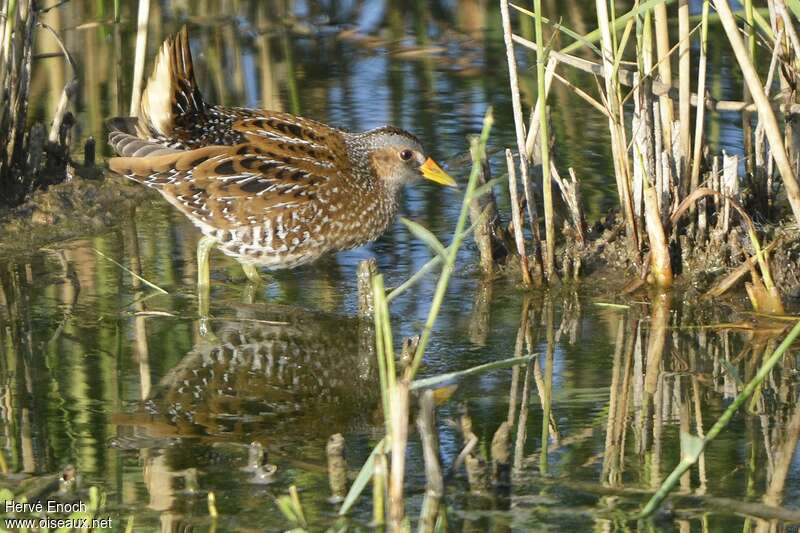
296, 138
230, 186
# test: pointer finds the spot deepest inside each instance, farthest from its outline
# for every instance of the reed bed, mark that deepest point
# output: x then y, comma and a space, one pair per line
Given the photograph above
659, 154
29, 158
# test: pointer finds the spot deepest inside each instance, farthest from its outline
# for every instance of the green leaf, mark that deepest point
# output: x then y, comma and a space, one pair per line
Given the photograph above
425, 235
486, 187
285, 505
691, 447
794, 5
441, 378
730, 369
364, 475
594, 36
763, 25
559, 27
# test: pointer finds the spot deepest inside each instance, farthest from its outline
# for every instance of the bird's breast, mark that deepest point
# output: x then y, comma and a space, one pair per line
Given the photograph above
286, 238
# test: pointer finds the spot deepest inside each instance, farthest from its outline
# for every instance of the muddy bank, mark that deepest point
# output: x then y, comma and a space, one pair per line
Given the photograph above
705, 267
76, 208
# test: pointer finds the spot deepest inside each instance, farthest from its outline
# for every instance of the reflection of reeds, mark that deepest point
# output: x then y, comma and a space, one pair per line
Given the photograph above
692, 446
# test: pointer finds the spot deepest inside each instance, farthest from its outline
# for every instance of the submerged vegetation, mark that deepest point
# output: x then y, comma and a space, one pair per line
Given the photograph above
578, 352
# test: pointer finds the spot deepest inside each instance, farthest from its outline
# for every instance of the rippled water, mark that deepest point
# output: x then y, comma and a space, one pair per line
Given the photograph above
102, 371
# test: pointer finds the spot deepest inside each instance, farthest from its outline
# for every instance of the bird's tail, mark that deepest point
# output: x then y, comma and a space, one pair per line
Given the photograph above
171, 97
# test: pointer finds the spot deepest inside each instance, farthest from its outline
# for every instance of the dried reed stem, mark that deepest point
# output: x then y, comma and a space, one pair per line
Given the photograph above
426, 424
434, 482
766, 115
478, 215
701, 91
659, 248
519, 126
544, 144
616, 127
399, 435
664, 71
141, 51
516, 218
684, 89
69, 89
337, 467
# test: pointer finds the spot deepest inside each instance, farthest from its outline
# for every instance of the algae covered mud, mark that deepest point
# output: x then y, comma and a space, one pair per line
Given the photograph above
112, 397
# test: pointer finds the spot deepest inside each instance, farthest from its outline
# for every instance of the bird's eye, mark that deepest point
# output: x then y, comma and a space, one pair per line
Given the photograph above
406, 155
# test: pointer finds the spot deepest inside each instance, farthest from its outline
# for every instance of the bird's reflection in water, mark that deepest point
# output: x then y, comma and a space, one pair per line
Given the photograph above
274, 371
274, 376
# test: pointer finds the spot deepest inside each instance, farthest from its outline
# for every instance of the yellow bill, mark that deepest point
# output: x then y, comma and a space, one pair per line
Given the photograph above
431, 171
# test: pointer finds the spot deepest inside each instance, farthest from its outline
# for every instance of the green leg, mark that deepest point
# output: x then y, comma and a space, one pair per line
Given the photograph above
252, 273
254, 281
204, 248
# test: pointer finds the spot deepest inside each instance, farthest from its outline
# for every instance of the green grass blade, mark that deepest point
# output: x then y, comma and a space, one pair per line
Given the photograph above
486, 187
441, 378
361, 481
794, 5
594, 36
559, 27
425, 235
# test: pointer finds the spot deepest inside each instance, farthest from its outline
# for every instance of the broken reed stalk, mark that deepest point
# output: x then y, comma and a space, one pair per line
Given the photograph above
143, 18
501, 457
571, 193
434, 482
337, 467
701, 93
367, 269
69, 89
544, 144
766, 114
516, 219
692, 446
483, 215
519, 127
399, 436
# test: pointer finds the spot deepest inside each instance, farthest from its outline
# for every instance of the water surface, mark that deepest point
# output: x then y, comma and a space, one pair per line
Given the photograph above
101, 371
